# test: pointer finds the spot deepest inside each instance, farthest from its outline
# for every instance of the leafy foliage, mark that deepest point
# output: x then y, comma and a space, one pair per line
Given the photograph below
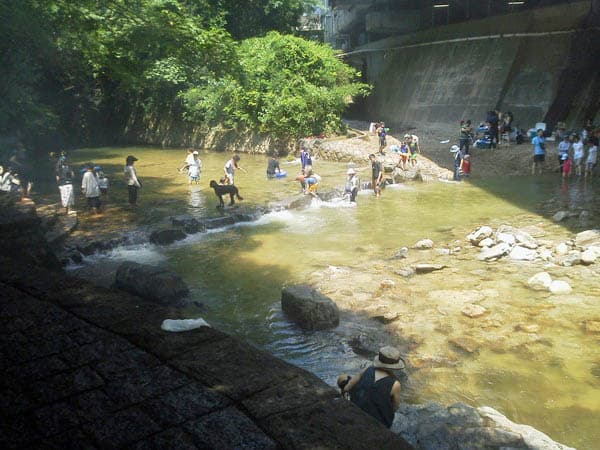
76, 71
287, 86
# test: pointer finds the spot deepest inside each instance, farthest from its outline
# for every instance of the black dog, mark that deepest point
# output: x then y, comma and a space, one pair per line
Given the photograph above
222, 189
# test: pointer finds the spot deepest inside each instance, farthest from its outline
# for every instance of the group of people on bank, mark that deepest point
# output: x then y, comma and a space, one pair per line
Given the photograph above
576, 153
94, 183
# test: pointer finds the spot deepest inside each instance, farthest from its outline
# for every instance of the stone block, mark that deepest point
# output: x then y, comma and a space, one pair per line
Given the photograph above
309, 308
228, 428
123, 428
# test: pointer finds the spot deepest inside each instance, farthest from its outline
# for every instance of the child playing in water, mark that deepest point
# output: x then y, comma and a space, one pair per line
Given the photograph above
465, 166
194, 168
404, 153
566, 165
351, 188
578, 154
592, 158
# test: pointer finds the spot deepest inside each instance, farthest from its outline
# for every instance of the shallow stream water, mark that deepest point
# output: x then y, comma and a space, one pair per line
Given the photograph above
547, 376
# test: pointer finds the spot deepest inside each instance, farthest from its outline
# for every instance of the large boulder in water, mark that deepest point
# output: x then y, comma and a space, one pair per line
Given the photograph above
167, 236
309, 308
153, 283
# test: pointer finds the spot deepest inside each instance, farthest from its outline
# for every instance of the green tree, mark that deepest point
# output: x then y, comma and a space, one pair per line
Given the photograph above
287, 86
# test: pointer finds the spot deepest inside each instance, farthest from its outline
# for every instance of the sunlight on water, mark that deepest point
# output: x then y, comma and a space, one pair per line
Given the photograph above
548, 377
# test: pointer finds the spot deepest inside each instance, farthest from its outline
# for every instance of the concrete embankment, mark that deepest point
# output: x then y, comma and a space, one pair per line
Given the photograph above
523, 63
91, 367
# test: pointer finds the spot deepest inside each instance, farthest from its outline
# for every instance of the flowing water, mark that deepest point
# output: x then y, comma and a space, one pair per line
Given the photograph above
533, 360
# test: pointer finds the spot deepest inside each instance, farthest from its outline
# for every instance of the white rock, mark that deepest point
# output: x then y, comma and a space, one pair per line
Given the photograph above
572, 259
525, 239
493, 253
588, 257
487, 242
387, 284
587, 238
424, 244
560, 287
183, 324
540, 281
532, 438
519, 253
479, 234
473, 311
506, 237
560, 216
546, 255
561, 249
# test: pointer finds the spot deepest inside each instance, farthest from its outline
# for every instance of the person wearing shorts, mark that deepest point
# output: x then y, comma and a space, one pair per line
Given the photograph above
377, 175
90, 188
64, 179
578, 154
539, 151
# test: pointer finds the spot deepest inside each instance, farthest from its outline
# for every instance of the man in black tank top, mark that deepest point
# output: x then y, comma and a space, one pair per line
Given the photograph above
376, 390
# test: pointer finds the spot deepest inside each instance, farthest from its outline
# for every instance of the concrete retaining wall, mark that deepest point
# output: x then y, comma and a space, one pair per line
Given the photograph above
461, 71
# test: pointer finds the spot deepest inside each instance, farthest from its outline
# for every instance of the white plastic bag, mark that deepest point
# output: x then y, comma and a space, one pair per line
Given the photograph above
183, 324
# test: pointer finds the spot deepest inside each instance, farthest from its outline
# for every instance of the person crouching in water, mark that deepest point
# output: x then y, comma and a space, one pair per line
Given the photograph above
312, 182
376, 390
351, 188
273, 166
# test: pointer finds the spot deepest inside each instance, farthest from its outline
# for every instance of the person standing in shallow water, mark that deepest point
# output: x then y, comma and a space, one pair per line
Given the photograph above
133, 183
377, 175
539, 151
376, 390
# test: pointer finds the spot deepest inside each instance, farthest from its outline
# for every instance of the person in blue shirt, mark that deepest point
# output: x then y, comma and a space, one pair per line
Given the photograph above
539, 151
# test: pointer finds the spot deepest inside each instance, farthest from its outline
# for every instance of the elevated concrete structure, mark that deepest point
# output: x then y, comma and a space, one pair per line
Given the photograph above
521, 62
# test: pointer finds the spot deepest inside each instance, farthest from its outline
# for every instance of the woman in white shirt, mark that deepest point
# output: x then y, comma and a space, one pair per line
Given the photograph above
133, 184
577, 154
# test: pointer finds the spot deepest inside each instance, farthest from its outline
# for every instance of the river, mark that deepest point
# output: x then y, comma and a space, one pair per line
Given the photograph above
533, 360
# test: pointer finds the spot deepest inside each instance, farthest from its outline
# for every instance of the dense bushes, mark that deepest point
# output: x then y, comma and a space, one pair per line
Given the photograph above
78, 70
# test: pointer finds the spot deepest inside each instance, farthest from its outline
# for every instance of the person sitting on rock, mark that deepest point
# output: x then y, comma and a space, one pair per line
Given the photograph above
376, 390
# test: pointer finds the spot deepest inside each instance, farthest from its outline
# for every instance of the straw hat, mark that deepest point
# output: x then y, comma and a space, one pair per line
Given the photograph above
388, 358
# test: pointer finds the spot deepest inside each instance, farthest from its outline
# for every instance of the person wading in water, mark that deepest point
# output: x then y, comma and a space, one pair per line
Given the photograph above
376, 390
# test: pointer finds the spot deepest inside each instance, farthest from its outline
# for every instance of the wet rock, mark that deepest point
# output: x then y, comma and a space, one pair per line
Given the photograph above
401, 253
487, 242
473, 311
540, 281
167, 236
588, 257
427, 268
561, 249
560, 216
592, 326
527, 327
466, 344
494, 253
62, 227
364, 345
588, 238
153, 283
219, 222
388, 317
480, 234
308, 308
406, 272
423, 244
559, 287
519, 253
